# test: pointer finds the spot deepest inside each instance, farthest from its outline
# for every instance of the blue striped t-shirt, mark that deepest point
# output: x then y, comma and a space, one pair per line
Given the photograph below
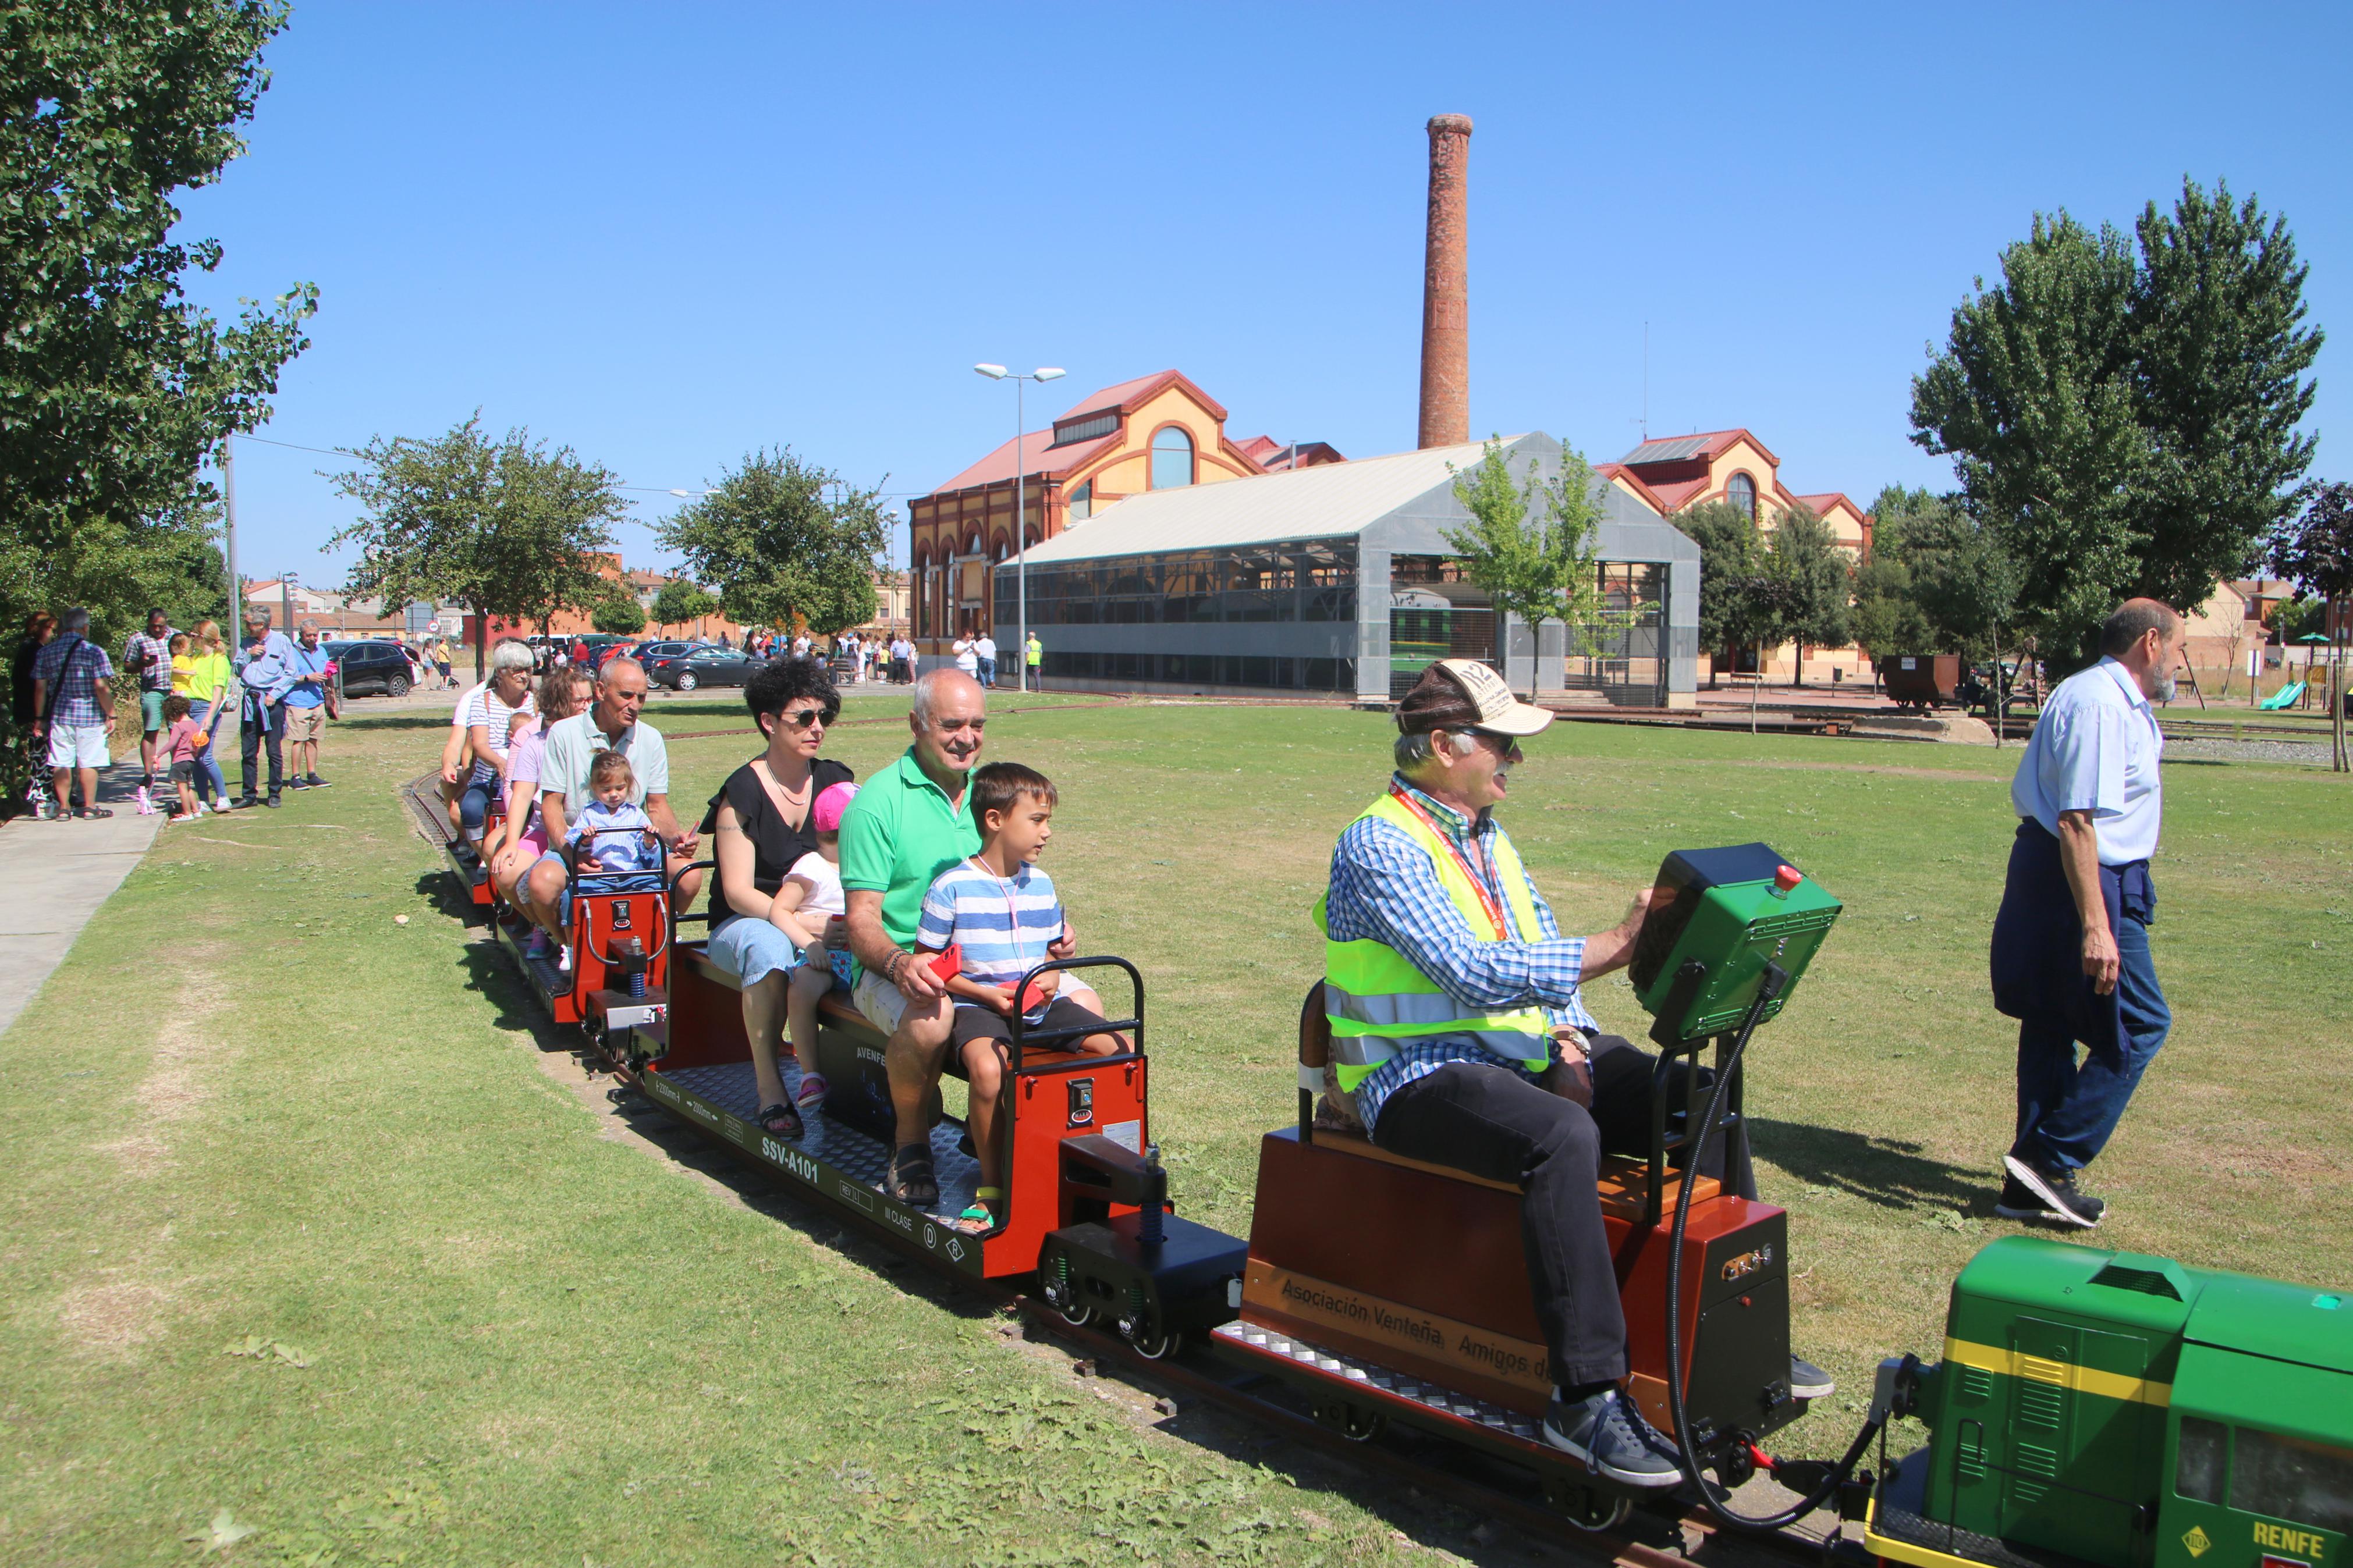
1003, 925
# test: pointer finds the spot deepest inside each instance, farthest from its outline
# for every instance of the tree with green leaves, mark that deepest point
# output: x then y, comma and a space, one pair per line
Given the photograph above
2125, 417
1532, 544
508, 528
1968, 585
1818, 606
1727, 554
2315, 553
784, 541
618, 614
682, 600
113, 388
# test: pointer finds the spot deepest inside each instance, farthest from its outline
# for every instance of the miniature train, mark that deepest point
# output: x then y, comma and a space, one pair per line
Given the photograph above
2091, 1407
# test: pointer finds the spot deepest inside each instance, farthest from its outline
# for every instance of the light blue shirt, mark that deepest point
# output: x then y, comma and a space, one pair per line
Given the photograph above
267, 674
2097, 749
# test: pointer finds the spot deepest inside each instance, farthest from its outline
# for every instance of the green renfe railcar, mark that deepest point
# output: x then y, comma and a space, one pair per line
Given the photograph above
2115, 1409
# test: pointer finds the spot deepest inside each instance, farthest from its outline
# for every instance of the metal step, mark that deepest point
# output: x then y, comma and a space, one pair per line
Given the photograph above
1431, 1396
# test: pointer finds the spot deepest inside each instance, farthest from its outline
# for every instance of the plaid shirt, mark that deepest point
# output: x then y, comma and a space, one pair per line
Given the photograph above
157, 675
74, 684
1386, 889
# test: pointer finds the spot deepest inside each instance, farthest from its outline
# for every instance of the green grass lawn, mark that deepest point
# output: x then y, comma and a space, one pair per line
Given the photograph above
307, 1222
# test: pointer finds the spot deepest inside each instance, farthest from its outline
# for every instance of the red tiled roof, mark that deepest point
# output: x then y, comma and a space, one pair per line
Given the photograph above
1821, 505
1259, 448
1040, 456
1634, 481
1129, 395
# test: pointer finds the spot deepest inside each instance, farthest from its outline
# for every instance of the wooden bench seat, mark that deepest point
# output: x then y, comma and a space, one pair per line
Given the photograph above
1623, 1188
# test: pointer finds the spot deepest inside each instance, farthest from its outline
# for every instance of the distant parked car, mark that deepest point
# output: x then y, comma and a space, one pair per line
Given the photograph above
701, 666
367, 667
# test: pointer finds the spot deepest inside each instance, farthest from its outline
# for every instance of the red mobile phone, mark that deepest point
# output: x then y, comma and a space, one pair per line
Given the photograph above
949, 964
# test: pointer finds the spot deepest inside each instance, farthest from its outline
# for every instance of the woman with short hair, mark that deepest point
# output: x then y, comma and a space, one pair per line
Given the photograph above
562, 693
489, 728
761, 823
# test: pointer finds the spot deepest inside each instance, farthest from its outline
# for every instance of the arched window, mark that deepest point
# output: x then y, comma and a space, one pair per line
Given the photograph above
1082, 501
1172, 458
1741, 491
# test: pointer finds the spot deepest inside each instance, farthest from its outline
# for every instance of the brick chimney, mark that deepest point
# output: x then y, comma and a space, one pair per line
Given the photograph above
1446, 290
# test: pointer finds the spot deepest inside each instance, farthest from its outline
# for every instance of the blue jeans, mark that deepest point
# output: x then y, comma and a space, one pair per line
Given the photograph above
989, 672
2066, 1110
211, 782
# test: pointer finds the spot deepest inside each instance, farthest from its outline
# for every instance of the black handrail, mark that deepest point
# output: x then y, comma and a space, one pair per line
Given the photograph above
1022, 1037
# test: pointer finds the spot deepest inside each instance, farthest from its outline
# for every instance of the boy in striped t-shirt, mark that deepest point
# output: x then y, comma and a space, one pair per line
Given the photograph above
1002, 913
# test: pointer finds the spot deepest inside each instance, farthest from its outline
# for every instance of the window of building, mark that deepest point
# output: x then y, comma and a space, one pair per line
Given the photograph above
1172, 458
1086, 429
1741, 491
1082, 501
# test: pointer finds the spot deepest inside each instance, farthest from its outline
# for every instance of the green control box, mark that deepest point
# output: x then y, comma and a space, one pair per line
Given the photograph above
1734, 910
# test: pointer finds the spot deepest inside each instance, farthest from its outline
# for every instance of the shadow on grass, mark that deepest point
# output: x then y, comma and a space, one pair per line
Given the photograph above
1232, 1435
1889, 1171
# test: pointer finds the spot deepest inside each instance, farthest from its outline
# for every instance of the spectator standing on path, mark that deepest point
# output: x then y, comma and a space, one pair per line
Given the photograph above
306, 707
1036, 653
2071, 953
439, 656
902, 659
147, 656
985, 646
208, 686
40, 627
73, 693
264, 679
968, 657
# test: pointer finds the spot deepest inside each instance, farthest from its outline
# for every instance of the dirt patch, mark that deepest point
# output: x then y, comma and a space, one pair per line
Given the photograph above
1893, 772
186, 1051
112, 1318
140, 1155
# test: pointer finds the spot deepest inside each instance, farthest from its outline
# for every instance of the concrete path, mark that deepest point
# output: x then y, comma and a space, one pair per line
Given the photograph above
58, 874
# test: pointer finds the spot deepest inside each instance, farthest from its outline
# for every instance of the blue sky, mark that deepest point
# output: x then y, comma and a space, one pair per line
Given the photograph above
665, 236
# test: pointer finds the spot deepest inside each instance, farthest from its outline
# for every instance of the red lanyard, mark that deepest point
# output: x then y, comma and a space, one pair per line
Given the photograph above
1478, 884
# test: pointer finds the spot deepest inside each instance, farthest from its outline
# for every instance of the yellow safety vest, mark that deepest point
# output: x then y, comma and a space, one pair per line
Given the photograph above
1379, 1003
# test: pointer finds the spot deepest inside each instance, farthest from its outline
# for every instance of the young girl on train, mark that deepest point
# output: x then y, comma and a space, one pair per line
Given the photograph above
809, 900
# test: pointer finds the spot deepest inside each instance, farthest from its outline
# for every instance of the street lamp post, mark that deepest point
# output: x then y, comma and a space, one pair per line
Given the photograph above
1020, 518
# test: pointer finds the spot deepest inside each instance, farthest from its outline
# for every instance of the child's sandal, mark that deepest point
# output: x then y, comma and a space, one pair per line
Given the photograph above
779, 1121
981, 1212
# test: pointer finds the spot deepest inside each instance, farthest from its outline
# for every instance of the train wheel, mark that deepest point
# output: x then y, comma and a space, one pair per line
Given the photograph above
1075, 1311
1353, 1422
1590, 1508
1160, 1343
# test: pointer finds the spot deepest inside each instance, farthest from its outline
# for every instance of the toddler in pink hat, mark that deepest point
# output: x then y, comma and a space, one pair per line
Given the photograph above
817, 880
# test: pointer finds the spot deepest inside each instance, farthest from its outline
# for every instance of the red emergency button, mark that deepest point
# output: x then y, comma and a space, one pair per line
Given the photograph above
1786, 878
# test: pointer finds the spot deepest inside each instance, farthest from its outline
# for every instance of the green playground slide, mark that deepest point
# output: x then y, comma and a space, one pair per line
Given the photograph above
2283, 698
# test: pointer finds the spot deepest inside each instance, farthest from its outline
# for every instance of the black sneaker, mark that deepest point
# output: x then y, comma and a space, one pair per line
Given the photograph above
315, 782
296, 783
272, 801
1807, 1380
244, 803
2033, 1193
1610, 1436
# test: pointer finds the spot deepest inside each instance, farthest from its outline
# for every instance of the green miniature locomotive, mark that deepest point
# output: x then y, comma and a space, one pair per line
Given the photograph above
2115, 1409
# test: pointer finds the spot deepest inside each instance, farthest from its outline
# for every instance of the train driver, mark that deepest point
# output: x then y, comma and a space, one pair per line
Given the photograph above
1457, 1030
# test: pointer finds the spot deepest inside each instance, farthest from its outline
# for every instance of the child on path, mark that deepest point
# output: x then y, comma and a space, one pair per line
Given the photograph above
185, 741
1002, 913
810, 899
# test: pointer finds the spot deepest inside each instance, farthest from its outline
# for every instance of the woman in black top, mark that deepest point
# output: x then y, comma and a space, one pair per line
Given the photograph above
759, 825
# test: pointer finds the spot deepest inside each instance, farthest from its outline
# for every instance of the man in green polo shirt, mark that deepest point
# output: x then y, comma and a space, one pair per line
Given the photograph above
911, 822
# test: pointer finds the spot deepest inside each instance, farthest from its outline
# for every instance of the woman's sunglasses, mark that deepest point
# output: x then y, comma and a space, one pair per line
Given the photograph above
807, 717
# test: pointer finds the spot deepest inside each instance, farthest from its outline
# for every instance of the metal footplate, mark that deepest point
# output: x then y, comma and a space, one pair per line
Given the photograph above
1432, 1397
623, 1010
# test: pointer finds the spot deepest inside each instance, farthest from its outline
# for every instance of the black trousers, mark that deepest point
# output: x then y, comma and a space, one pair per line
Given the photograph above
250, 735
1490, 1121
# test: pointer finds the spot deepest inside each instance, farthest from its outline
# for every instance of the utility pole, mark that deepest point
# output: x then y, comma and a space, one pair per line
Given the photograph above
228, 494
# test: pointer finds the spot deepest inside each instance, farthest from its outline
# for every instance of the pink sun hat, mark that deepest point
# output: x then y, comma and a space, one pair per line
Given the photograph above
831, 803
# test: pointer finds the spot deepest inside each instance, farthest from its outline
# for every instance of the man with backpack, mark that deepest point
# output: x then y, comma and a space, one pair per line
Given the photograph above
74, 695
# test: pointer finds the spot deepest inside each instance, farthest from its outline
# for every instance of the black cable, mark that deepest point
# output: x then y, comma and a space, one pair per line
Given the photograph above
1768, 987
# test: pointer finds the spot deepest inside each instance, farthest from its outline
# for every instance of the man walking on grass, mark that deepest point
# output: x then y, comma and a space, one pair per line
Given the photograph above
2071, 950
148, 657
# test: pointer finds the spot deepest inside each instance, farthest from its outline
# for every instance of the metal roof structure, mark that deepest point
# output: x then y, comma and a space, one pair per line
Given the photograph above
1307, 503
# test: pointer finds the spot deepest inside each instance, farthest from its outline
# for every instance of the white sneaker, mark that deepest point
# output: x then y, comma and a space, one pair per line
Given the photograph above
564, 959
